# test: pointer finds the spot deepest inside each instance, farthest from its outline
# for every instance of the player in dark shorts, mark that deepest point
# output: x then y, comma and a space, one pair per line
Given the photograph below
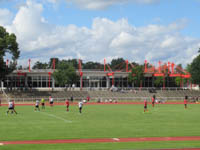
185, 102
51, 101
145, 105
72, 98
37, 105
43, 103
11, 107
80, 105
14, 107
153, 100
67, 104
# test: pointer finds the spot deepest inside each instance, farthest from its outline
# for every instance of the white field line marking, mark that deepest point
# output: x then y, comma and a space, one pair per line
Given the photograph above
60, 118
115, 139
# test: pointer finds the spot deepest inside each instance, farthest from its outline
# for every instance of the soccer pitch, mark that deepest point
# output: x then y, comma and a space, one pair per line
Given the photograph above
101, 121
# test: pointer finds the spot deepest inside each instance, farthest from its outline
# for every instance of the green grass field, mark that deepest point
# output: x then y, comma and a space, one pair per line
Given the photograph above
100, 121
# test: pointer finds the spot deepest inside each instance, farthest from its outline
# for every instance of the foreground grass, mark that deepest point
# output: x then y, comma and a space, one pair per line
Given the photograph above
100, 121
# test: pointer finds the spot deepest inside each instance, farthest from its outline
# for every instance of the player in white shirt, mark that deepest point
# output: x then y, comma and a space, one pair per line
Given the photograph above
51, 101
11, 107
80, 105
37, 105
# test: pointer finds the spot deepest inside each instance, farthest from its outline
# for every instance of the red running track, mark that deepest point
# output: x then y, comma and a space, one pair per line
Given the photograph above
106, 140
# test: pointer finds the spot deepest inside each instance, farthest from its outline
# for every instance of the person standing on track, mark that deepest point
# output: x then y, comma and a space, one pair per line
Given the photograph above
185, 102
145, 105
80, 105
43, 103
153, 100
67, 104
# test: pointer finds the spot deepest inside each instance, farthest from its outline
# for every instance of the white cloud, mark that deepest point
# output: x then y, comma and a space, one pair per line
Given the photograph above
102, 4
28, 23
109, 39
124, 39
5, 17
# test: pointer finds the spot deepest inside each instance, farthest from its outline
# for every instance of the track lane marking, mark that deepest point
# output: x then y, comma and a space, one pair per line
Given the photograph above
115, 139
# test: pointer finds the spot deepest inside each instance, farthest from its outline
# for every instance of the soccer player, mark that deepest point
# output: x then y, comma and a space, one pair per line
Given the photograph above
43, 103
72, 98
51, 101
14, 107
80, 105
145, 105
37, 105
0, 101
67, 104
88, 98
11, 106
153, 100
185, 102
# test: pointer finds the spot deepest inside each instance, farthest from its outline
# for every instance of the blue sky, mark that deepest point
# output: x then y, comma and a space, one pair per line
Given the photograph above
165, 30
164, 12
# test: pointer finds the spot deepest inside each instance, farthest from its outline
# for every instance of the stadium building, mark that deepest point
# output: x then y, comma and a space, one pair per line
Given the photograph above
91, 78
43, 79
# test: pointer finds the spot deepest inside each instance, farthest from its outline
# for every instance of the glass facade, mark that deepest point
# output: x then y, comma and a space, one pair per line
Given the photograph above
28, 81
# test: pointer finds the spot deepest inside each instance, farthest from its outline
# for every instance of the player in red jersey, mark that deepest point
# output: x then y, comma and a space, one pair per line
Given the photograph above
185, 101
67, 104
88, 98
145, 105
153, 100
14, 107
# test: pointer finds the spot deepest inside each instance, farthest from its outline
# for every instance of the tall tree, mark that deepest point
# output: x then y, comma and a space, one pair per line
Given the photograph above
40, 65
116, 63
65, 74
92, 65
137, 75
194, 69
73, 62
8, 44
51, 62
